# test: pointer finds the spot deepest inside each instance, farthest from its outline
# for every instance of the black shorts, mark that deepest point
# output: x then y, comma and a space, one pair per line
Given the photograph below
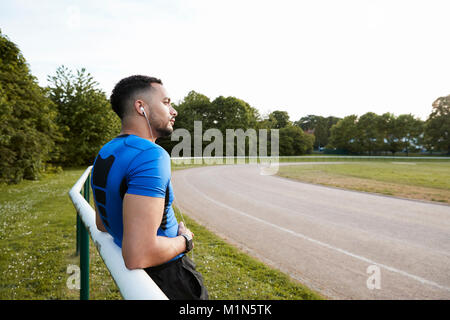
179, 280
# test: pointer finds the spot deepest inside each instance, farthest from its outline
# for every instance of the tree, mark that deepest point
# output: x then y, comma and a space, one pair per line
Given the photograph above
319, 126
437, 126
370, 137
410, 129
234, 113
391, 132
294, 142
85, 116
292, 139
28, 129
194, 107
345, 135
279, 119
223, 113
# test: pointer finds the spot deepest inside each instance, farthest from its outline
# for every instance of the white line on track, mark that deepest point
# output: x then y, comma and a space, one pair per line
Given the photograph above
320, 243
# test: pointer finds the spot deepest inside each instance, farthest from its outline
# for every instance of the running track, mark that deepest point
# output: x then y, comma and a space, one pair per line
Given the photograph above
325, 237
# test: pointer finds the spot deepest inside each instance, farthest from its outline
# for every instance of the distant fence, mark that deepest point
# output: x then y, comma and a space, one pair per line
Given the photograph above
304, 158
132, 284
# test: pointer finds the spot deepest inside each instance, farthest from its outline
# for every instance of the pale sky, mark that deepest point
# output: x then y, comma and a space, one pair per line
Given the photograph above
322, 57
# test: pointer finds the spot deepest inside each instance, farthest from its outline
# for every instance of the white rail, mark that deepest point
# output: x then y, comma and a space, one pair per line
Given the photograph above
277, 159
132, 284
308, 157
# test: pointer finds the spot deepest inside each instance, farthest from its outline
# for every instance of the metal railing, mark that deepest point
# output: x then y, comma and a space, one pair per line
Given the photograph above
133, 284
302, 158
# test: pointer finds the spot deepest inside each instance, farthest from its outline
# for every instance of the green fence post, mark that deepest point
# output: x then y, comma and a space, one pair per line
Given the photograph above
84, 255
79, 225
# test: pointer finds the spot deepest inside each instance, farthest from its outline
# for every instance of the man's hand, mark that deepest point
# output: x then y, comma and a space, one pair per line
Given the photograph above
182, 229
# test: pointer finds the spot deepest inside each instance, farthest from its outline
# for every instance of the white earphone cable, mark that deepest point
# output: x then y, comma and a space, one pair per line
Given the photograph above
174, 199
148, 122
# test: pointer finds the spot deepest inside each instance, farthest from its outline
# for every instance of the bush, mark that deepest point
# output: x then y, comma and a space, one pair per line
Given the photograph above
28, 129
85, 116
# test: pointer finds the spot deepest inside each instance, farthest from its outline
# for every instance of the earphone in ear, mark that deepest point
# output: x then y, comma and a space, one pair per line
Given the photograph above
148, 122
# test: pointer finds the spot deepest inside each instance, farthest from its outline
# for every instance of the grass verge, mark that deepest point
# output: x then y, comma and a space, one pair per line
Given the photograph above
422, 180
37, 241
37, 245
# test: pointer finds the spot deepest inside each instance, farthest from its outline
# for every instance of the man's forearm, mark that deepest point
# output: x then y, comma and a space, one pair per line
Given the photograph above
161, 250
166, 249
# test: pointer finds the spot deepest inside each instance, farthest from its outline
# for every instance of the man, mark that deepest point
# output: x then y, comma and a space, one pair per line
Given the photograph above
133, 193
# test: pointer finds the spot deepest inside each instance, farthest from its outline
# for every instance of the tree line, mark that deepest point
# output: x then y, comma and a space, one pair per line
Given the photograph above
373, 134
42, 129
67, 122
224, 113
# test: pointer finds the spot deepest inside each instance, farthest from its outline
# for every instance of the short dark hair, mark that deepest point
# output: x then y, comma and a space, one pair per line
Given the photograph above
126, 88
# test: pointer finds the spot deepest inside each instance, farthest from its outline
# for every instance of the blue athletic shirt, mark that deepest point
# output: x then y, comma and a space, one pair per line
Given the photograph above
130, 164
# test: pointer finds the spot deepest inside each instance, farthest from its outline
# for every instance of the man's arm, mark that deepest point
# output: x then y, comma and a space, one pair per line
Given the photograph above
141, 247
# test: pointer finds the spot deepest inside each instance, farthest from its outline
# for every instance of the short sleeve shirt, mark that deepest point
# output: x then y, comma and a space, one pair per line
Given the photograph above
130, 164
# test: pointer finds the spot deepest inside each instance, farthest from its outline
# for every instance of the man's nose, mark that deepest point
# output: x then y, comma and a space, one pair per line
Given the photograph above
173, 111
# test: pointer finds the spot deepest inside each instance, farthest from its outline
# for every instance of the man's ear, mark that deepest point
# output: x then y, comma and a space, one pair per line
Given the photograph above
139, 107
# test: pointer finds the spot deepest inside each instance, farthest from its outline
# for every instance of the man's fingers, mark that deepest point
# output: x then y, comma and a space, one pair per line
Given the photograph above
182, 229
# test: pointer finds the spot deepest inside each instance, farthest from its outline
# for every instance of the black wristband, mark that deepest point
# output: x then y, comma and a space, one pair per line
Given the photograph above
188, 242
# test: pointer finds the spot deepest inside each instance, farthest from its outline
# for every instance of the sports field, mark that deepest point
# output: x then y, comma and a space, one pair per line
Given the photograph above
414, 180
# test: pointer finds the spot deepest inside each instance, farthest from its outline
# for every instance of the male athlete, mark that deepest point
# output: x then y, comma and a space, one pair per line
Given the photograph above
133, 193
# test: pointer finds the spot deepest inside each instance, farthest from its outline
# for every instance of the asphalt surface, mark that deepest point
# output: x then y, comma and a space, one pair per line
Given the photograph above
343, 244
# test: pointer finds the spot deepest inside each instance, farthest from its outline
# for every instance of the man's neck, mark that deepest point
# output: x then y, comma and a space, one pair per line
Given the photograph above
140, 133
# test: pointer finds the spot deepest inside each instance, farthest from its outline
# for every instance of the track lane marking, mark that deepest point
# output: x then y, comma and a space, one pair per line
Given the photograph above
320, 243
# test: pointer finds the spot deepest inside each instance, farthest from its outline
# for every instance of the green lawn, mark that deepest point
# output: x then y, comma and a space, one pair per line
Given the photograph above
37, 245
415, 180
37, 241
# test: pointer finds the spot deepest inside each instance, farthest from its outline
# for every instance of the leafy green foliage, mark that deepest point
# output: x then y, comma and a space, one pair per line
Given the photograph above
437, 128
194, 107
410, 129
28, 130
279, 119
319, 126
373, 134
343, 134
293, 141
392, 133
85, 116
232, 113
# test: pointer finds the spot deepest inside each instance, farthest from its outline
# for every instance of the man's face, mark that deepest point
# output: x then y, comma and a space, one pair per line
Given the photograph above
162, 114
